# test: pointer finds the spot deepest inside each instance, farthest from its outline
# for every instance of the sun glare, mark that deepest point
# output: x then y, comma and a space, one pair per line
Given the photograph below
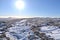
20, 4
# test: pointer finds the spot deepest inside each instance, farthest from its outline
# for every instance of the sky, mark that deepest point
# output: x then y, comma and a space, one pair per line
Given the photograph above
45, 8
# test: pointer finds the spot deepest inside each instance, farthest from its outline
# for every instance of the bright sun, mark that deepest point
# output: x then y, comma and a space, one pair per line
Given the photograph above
19, 4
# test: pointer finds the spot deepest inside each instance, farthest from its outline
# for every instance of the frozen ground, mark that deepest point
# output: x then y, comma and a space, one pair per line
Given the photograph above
53, 31
21, 31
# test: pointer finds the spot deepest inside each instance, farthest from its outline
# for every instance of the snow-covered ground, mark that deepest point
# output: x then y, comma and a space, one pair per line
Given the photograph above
20, 31
53, 31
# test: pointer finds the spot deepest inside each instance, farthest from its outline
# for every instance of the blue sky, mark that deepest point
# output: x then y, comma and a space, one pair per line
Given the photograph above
45, 8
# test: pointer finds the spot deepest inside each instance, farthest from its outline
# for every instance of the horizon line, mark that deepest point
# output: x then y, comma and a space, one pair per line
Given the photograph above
26, 17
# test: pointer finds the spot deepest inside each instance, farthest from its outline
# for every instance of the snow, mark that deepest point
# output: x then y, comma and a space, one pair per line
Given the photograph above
0, 32
53, 31
22, 22
47, 28
18, 32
